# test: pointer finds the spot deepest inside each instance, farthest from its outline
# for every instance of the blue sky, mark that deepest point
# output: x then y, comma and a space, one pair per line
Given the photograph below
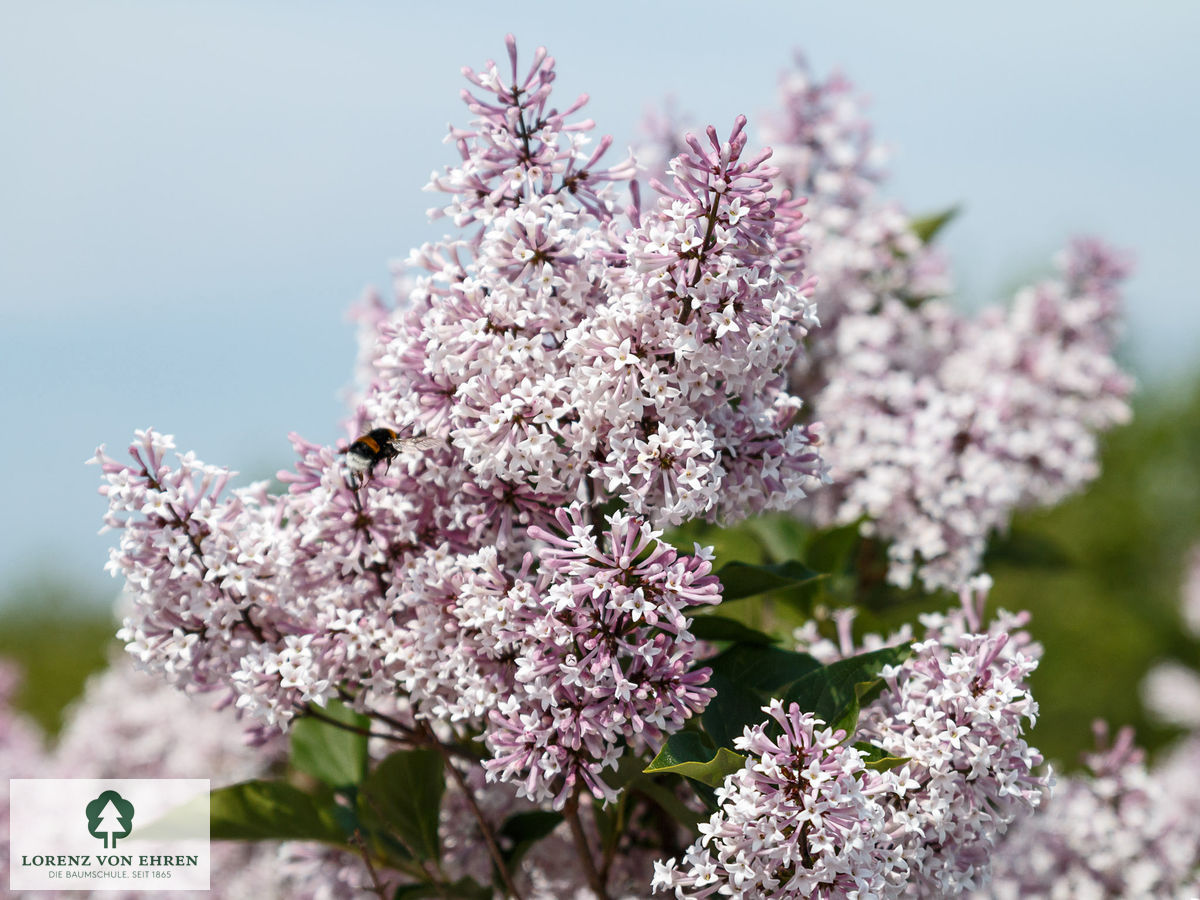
193, 193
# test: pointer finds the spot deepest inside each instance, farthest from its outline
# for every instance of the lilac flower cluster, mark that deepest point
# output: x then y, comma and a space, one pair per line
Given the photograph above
864, 249
956, 710
939, 427
572, 354
605, 654
1117, 830
565, 356
804, 818
561, 667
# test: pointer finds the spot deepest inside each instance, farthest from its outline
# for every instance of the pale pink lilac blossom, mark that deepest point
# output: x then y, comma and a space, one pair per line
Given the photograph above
940, 427
604, 657
864, 249
1117, 830
957, 709
803, 818
565, 354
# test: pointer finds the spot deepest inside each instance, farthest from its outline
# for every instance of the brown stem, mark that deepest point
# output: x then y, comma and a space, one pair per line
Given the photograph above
377, 887
571, 814
484, 826
314, 712
179, 522
705, 246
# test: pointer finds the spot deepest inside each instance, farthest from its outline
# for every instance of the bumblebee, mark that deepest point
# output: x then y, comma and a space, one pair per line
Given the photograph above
381, 445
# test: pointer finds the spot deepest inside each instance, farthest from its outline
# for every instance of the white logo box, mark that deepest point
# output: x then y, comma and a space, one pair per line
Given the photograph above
78, 834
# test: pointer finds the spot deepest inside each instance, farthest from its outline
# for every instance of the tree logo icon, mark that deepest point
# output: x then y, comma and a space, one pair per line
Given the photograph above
110, 816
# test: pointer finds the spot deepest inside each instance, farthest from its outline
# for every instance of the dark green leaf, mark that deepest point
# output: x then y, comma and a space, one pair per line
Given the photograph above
739, 579
761, 668
927, 227
663, 797
522, 830
745, 677
334, 755
405, 792
685, 753
720, 628
832, 549
847, 720
833, 692
735, 706
783, 536
270, 811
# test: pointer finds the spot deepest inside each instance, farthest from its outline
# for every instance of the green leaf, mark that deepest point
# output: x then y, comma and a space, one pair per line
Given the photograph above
761, 668
927, 227
877, 758
831, 550
663, 797
739, 579
833, 692
745, 677
522, 830
334, 755
270, 811
782, 536
405, 792
735, 706
721, 628
685, 753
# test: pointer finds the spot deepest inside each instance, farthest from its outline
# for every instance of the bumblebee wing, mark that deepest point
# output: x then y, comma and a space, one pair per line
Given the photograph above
416, 442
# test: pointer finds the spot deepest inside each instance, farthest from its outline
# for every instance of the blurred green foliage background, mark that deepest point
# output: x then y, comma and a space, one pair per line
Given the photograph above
1101, 574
